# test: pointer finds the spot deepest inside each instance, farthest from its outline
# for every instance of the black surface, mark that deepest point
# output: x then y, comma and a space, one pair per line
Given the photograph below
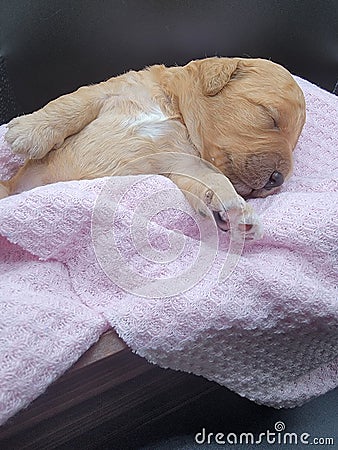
222, 411
225, 412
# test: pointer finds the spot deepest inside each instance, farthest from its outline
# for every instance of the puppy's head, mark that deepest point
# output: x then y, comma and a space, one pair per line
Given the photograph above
245, 117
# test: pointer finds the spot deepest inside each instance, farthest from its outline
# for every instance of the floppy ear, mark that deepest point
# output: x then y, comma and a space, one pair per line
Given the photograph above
216, 73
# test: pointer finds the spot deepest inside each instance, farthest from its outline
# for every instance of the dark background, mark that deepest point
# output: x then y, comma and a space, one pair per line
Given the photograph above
51, 47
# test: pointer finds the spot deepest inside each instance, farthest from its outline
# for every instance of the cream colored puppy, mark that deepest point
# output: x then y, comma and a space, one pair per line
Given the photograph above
222, 129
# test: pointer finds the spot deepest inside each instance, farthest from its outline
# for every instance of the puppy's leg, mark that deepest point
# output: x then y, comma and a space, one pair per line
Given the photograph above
34, 135
207, 188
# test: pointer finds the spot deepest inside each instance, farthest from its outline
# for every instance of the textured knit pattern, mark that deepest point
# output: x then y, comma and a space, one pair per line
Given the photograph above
128, 252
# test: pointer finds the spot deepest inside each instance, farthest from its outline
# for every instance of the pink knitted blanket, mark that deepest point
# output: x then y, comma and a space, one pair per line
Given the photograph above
79, 257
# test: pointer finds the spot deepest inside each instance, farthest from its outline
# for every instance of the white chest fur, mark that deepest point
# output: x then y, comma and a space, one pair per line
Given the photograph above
151, 123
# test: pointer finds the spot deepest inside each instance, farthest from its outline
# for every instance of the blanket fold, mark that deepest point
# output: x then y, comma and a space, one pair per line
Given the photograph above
129, 253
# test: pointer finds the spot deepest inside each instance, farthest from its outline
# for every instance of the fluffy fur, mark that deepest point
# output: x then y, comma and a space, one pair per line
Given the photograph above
220, 128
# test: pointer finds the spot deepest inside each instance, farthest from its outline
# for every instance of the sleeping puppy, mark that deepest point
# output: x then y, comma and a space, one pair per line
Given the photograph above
222, 129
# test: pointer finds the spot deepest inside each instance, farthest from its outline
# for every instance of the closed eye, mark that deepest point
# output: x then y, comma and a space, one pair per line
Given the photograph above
272, 112
275, 123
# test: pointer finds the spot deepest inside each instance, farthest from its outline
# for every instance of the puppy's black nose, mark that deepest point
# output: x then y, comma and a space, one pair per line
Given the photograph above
275, 180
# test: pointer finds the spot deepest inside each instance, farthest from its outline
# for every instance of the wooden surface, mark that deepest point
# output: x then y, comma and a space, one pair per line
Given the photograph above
106, 395
108, 344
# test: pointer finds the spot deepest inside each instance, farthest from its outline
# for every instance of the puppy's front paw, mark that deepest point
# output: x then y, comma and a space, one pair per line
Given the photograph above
231, 212
242, 221
29, 136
